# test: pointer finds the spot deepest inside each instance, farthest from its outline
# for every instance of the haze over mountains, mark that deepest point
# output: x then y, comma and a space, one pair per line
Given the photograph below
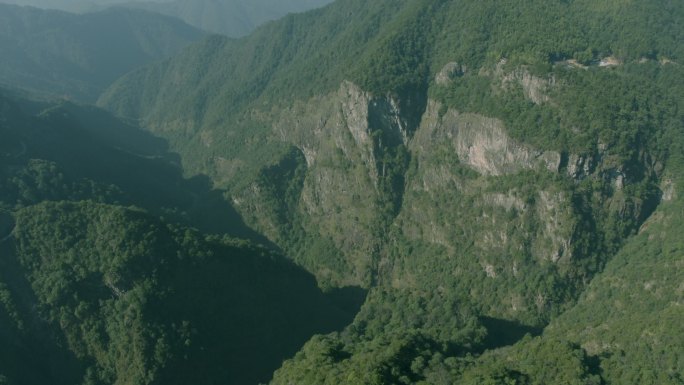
387, 192
78, 56
233, 18
78, 6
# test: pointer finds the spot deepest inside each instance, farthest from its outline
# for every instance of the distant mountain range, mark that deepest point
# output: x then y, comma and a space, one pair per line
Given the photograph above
234, 18
77, 56
77, 6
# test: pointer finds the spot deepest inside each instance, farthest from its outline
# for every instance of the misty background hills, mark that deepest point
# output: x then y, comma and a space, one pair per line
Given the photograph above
78, 56
234, 18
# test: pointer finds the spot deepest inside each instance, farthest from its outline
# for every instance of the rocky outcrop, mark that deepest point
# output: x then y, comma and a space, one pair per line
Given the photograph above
579, 167
668, 189
553, 242
464, 198
482, 143
448, 72
475, 202
328, 122
344, 137
535, 88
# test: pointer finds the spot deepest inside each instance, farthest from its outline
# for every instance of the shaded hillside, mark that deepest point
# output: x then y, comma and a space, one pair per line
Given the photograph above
120, 297
69, 152
475, 164
77, 56
95, 288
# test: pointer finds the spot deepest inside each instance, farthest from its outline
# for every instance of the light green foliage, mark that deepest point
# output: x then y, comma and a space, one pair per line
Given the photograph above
534, 362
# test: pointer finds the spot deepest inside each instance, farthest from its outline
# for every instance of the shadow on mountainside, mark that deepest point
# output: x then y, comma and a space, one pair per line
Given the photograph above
501, 332
89, 143
6, 225
249, 312
31, 350
250, 309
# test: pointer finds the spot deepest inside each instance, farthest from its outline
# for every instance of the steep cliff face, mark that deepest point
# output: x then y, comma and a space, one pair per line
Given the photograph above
482, 143
387, 202
497, 210
640, 292
477, 196
352, 143
479, 210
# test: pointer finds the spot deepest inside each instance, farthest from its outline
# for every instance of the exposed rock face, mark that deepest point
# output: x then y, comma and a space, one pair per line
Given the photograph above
554, 210
448, 72
536, 89
609, 61
579, 167
483, 144
458, 199
329, 122
507, 201
669, 192
475, 202
342, 137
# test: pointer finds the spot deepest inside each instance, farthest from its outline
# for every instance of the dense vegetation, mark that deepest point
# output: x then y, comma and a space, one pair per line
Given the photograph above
386, 47
77, 56
503, 178
459, 261
138, 302
119, 295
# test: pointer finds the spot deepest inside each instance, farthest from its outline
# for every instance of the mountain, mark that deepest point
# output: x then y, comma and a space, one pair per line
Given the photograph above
77, 56
104, 277
234, 18
484, 169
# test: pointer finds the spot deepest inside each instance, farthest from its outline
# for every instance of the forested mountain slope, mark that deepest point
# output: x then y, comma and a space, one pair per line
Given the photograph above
477, 165
95, 288
77, 56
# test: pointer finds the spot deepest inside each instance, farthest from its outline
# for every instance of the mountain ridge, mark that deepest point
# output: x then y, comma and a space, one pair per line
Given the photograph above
465, 167
233, 18
103, 267
77, 56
